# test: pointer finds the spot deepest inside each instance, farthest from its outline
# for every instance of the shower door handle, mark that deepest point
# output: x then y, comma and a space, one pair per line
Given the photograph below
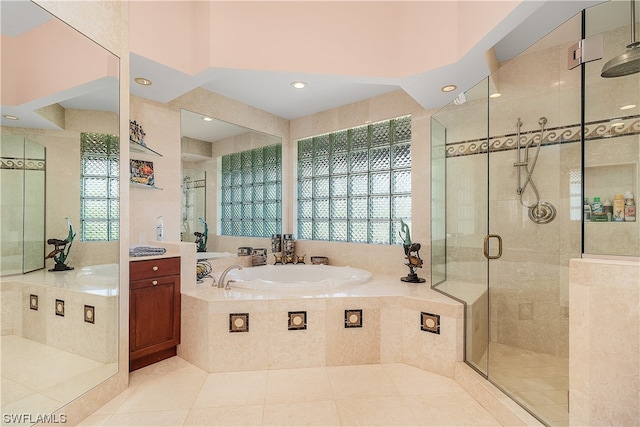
486, 246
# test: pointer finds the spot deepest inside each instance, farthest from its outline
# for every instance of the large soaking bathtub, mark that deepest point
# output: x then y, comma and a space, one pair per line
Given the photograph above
297, 277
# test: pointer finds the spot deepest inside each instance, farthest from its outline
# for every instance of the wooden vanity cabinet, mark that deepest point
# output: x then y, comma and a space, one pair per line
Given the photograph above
154, 310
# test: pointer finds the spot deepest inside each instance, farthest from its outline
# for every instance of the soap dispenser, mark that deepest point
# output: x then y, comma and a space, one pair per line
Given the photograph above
159, 229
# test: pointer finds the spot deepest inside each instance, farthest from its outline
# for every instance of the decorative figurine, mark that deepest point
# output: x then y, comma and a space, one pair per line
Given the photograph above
201, 238
61, 251
412, 255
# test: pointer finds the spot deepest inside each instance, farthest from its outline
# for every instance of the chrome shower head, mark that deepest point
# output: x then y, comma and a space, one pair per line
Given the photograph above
625, 64
629, 62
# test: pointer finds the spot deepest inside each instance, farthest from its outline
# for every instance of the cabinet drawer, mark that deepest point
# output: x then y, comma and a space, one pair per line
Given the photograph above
154, 268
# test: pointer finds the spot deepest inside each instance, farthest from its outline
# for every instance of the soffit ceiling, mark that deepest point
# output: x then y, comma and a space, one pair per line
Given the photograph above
267, 87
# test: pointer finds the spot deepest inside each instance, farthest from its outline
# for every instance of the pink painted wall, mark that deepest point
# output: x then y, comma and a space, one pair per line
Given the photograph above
45, 70
367, 38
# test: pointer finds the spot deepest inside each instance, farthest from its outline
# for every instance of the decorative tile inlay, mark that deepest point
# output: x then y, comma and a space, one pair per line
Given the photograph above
430, 322
239, 322
353, 318
599, 129
297, 320
89, 314
59, 307
33, 302
23, 164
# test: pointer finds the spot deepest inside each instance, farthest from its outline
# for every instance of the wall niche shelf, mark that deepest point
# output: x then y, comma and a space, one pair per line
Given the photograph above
139, 148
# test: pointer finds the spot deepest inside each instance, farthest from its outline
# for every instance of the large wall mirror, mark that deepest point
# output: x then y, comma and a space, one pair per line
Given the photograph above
59, 166
210, 150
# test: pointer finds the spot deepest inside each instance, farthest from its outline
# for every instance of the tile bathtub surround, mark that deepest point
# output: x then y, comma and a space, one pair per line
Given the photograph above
390, 333
174, 392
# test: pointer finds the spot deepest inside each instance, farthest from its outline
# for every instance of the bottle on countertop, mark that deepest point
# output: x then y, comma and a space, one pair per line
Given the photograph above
629, 207
618, 208
587, 210
596, 206
607, 209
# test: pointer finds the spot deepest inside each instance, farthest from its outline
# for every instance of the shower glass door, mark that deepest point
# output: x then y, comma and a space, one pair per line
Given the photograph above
535, 207
507, 210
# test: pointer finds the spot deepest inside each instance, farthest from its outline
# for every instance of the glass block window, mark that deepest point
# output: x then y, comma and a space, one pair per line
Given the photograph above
100, 187
251, 189
355, 185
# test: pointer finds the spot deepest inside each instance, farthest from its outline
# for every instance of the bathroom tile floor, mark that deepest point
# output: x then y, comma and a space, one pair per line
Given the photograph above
175, 393
36, 375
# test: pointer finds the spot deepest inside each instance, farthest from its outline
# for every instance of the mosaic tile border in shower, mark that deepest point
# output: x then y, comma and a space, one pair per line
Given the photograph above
624, 126
22, 164
238, 322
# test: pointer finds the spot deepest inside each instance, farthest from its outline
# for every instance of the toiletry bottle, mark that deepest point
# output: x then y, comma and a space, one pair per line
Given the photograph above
159, 229
629, 207
596, 206
618, 208
587, 210
607, 209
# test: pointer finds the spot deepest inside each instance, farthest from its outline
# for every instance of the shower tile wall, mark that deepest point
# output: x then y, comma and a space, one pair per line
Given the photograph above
529, 283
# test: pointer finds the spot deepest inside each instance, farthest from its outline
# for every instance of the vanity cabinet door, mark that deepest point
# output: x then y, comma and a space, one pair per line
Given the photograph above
154, 314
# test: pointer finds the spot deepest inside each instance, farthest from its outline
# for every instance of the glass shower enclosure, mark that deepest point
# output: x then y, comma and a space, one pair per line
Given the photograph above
512, 163
22, 205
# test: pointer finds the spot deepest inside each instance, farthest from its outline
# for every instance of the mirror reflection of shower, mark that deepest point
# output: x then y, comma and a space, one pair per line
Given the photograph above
193, 202
539, 212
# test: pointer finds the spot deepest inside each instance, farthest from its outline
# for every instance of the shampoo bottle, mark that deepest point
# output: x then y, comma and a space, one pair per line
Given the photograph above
629, 207
618, 208
607, 209
587, 210
596, 206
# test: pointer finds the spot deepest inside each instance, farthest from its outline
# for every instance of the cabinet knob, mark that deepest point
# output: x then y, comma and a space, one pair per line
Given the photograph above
155, 268
155, 282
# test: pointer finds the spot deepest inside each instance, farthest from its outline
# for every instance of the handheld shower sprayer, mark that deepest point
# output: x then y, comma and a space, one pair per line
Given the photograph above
539, 212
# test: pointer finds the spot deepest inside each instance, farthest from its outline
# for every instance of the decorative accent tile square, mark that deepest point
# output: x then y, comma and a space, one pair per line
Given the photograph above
33, 302
239, 322
353, 318
430, 322
59, 307
89, 314
297, 320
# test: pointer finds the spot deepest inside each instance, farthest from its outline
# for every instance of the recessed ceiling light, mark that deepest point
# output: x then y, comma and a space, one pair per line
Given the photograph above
628, 107
142, 81
495, 95
10, 117
207, 119
299, 85
449, 88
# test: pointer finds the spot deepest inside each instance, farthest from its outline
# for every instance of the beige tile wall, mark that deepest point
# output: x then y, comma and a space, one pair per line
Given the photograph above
604, 353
